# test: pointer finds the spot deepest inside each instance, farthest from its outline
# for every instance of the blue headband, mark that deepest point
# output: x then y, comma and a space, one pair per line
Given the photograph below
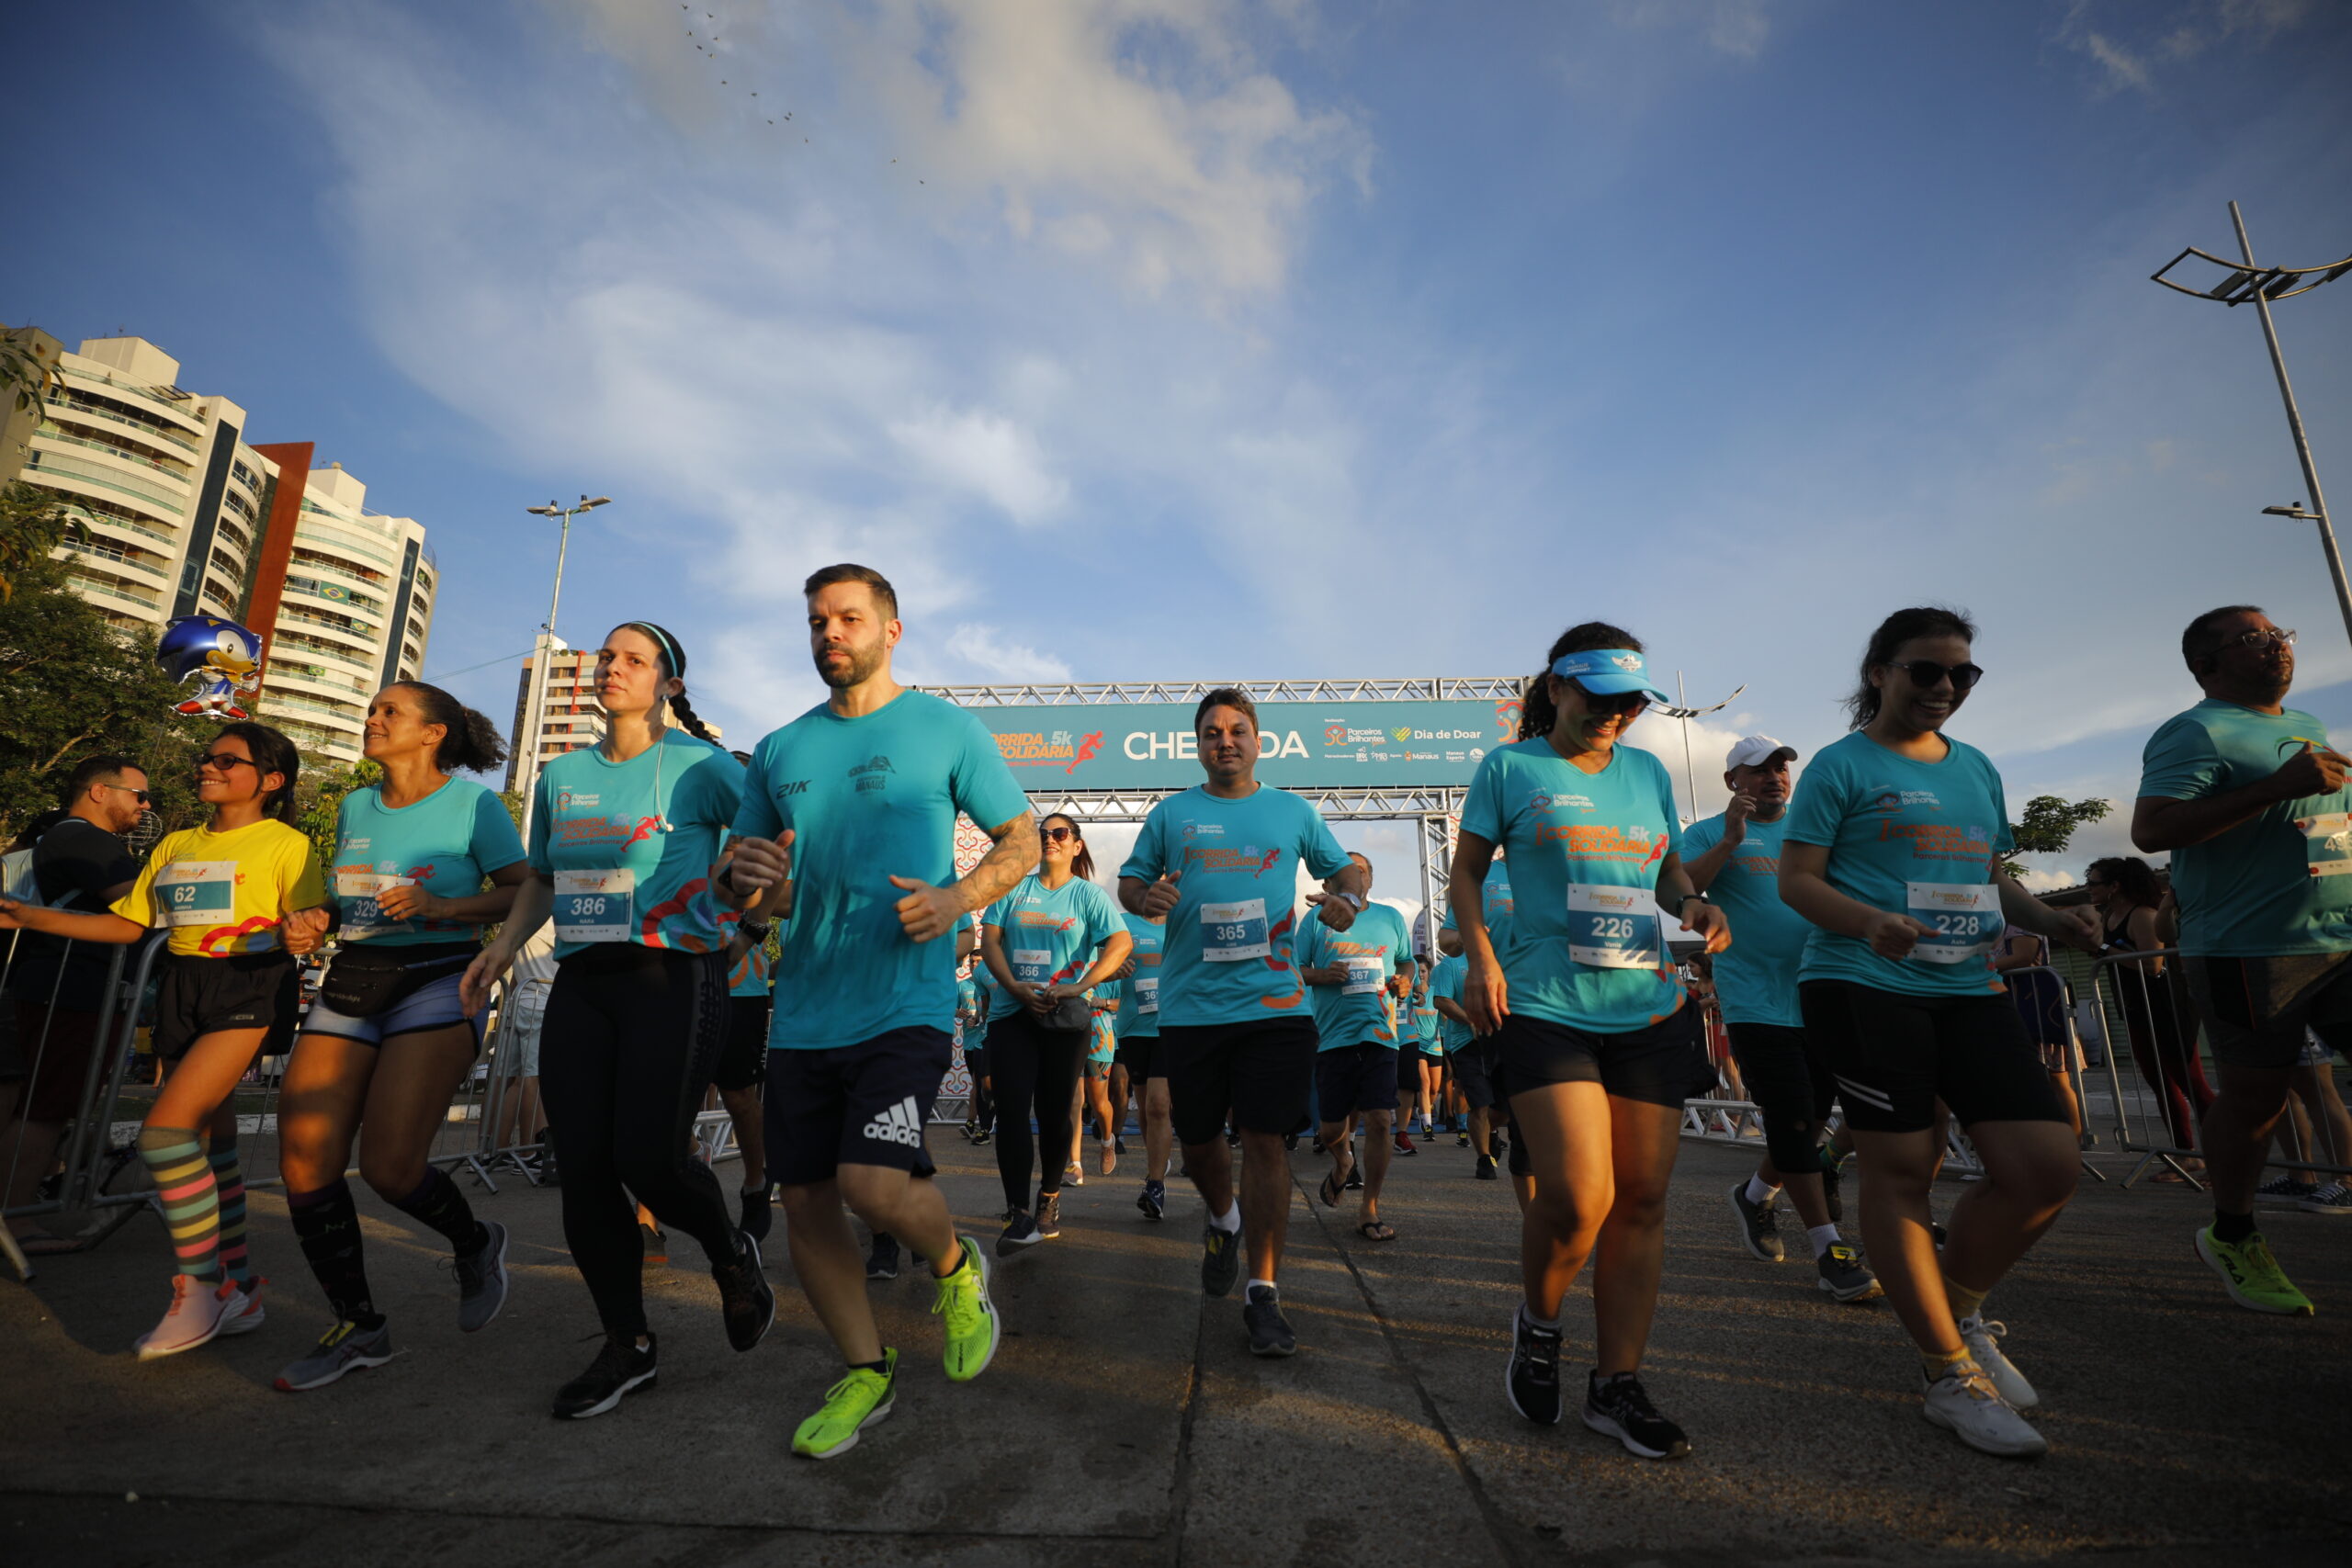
670, 651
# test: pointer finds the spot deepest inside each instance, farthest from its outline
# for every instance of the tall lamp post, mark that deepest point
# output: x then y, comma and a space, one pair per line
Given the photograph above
526, 777
2245, 283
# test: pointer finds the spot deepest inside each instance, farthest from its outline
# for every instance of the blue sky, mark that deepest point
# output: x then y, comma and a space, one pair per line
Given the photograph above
1174, 338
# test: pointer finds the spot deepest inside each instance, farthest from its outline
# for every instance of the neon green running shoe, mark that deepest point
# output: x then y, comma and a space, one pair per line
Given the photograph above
852, 1405
968, 1316
2253, 1276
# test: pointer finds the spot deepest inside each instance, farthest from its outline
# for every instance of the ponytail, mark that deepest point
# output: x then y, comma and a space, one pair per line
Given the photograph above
674, 664
469, 741
1537, 712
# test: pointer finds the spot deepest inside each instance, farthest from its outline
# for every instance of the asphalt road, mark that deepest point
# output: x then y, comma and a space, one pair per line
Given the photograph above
1123, 1421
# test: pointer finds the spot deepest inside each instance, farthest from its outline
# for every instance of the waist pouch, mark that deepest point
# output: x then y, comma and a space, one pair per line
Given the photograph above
1069, 1015
368, 978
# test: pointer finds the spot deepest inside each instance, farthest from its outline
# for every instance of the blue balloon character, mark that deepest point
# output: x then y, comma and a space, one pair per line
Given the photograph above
222, 658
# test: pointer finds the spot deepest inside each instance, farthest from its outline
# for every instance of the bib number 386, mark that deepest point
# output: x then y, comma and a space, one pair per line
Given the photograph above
1963, 918
594, 905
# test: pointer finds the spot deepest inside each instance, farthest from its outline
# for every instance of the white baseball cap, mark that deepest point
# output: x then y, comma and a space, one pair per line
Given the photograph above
1754, 751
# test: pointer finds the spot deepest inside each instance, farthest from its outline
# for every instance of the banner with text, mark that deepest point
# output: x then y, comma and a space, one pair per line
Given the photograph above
1334, 745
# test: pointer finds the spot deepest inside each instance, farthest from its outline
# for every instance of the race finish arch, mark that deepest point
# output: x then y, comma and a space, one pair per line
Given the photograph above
1358, 750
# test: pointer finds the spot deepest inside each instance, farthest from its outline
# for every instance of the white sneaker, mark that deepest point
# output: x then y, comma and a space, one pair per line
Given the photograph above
196, 1312
1964, 1402
1980, 1338
243, 1312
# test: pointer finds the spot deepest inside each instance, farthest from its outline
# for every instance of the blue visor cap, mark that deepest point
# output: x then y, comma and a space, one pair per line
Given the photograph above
1610, 671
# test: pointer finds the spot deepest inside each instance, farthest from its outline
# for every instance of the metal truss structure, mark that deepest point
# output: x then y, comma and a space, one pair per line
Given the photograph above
1080, 694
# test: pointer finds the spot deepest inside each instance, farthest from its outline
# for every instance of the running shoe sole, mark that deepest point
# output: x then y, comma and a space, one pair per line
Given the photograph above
986, 1273
1607, 1426
1865, 1292
611, 1399
2039, 1446
872, 1417
2249, 1302
244, 1321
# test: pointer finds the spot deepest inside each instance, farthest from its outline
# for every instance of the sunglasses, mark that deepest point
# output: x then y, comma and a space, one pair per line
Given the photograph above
1611, 702
1056, 835
225, 760
1927, 673
138, 795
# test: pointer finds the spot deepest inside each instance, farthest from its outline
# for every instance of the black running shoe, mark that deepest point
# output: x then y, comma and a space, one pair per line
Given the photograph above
882, 1260
1019, 1231
1220, 1260
982, 1137
745, 1298
1049, 1216
1153, 1200
1620, 1408
1760, 1228
618, 1368
1532, 1382
1270, 1333
1487, 1171
758, 1213
482, 1278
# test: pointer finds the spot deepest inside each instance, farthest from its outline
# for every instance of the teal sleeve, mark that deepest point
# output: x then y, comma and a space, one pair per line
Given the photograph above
1103, 917
1147, 861
980, 784
1482, 813
2180, 761
755, 813
1700, 837
496, 845
542, 804
1306, 946
2004, 839
712, 790
1820, 804
1665, 806
1321, 852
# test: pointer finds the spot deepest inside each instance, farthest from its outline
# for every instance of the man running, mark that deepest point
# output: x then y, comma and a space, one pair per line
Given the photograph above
1219, 862
852, 808
1141, 1063
1351, 981
2250, 799
1736, 857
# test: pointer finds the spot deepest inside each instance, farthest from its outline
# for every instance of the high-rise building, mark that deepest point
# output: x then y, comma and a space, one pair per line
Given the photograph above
569, 716
182, 516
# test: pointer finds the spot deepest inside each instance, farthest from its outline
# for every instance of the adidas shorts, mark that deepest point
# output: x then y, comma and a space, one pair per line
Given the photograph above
862, 1104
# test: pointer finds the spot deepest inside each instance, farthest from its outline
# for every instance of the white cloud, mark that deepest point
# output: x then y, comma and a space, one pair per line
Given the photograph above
987, 651
2125, 69
987, 454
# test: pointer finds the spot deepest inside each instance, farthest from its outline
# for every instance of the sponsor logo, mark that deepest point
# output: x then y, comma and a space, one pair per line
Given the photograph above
1627, 661
788, 790
903, 1123
565, 799
1402, 733
872, 765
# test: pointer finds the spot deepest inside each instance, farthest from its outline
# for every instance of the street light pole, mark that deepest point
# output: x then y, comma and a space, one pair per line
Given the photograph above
528, 776
2247, 283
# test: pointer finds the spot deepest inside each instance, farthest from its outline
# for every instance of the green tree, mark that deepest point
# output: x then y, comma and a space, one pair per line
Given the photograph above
320, 794
2049, 825
33, 522
72, 685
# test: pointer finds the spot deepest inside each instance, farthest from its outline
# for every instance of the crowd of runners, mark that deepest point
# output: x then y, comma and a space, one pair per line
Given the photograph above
790, 927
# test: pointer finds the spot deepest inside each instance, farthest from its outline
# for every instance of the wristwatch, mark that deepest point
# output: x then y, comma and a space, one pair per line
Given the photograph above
755, 930
1353, 899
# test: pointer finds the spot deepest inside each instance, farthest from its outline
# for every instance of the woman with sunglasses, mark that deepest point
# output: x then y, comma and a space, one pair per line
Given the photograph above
389, 1039
1596, 1044
1047, 944
624, 837
231, 893
1895, 851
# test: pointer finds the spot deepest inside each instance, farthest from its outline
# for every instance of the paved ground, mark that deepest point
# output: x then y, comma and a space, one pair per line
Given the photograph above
1125, 1421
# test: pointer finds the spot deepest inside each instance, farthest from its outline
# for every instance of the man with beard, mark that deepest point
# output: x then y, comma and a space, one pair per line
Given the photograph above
2249, 798
851, 808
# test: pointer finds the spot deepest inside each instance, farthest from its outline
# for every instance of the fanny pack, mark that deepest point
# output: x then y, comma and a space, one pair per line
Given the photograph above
1069, 1014
366, 978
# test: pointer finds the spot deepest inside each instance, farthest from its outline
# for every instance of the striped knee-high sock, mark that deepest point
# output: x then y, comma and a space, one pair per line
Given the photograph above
229, 1178
183, 1182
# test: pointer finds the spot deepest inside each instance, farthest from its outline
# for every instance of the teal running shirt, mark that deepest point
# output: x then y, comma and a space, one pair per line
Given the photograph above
447, 843
1139, 996
1756, 976
1051, 935
629, 845
1356, 1013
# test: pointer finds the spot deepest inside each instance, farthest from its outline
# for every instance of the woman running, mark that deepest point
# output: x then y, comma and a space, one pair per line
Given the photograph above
624, 836
1596, 1044
231, 894
1101, 1053
1893, 850
388, 1042
1046, 942
2130, 906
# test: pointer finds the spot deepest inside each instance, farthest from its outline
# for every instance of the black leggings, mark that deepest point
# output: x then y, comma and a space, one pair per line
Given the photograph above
1791, 1085
1033, 1068
632, 1037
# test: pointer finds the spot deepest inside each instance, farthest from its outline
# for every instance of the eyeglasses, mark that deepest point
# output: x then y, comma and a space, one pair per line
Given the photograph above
1926, 673
138, 795
224, 761
1056, 835
1611, 702
2261, 637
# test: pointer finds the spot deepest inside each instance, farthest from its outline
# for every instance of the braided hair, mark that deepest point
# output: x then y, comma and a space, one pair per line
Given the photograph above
673, 667
1536, 713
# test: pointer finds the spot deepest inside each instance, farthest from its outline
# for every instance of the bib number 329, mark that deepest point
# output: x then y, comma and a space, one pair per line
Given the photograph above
1963, 918
1612, 927
594, 905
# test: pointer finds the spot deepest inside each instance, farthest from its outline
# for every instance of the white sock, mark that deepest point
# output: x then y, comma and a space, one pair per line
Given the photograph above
1229, 1222
1548, 1324
1757, 1193
1823, 1237
1268, 1283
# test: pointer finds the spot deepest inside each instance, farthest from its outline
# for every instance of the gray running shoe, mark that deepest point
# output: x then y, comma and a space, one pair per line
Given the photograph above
481, 1280
1840, 1272
346, 1348
1760, 1228
1220, 1260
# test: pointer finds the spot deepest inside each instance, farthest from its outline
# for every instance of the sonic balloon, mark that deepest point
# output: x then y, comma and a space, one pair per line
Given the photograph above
222, 658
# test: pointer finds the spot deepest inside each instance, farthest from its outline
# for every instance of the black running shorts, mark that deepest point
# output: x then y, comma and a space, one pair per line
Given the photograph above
1143, 1057
1260, 1071
205, 996
1355, 1077
743, 1060
2256, 1010
1659, 1063
1893, 1056
1791, 1084
1473, 1072
862, 1104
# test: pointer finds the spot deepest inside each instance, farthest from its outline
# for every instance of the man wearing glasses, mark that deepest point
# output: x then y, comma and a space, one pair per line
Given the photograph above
2249, 798
57, 988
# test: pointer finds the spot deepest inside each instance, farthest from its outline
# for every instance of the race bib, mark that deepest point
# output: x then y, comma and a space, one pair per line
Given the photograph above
1231, 932
1612, 927
595, 906
1030, 965
358, 890
2328, 844
1963, 918
1363, 977
1147, 994
196, 892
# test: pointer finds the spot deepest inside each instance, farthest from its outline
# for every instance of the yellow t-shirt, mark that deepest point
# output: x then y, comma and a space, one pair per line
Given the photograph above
225, 893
